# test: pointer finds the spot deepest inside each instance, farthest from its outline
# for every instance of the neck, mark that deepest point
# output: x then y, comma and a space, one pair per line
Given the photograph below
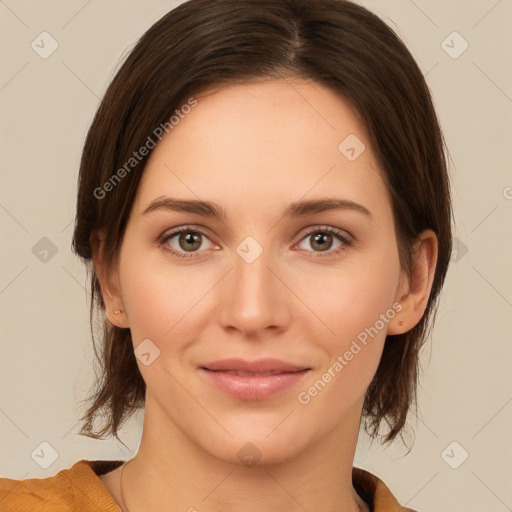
170, 470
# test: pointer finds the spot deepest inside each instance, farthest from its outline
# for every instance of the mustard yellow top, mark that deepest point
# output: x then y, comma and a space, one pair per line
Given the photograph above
79, 489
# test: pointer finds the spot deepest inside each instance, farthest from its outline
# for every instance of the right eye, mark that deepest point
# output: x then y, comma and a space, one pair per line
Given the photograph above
187, 242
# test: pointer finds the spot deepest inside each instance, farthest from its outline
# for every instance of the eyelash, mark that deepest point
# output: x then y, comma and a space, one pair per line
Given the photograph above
347, 241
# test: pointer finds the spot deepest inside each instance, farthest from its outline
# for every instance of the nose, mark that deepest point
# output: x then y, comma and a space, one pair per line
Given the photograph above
254, 299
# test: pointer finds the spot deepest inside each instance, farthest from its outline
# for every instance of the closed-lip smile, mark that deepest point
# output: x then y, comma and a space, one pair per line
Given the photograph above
253, 380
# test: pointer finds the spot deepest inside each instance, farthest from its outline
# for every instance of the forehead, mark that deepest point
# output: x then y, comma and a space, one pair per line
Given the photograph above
258, 143
264, 116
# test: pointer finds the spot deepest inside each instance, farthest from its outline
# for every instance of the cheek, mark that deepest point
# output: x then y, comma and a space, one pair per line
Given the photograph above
163, 305
351, 299
356, 307
161, 300
358, 312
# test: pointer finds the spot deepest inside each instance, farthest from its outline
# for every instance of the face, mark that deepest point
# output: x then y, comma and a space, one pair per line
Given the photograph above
298, 296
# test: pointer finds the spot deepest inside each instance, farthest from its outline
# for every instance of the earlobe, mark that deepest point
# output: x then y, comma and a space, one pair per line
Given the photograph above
114, 308
415, 289
118, 318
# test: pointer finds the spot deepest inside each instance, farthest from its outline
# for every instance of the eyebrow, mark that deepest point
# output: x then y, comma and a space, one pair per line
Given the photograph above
213, 210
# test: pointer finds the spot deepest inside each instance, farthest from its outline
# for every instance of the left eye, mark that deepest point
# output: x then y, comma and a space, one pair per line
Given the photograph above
322, 240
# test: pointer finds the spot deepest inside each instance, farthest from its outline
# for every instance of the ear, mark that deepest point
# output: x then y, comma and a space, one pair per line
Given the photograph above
414, 290
109, 282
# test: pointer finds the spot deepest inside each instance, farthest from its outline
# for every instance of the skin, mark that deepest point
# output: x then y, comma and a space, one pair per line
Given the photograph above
254, 149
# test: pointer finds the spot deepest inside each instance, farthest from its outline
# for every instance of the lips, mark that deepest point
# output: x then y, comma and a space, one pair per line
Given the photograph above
248, 374
253, 380
271, 366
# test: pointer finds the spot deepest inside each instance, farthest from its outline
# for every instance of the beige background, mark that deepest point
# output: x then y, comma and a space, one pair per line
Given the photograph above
46, 353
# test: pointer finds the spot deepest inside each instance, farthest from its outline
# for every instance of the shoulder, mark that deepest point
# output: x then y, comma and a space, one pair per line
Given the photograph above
77, 488
375, 492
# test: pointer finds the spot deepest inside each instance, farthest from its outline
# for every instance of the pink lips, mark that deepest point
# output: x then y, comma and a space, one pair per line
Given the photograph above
254, 380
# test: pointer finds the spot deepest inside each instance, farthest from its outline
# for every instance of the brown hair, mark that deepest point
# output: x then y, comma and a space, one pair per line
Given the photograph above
204, 43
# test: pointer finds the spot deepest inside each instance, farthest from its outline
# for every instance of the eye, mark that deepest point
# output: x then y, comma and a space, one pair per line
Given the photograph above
187, 242
322, 240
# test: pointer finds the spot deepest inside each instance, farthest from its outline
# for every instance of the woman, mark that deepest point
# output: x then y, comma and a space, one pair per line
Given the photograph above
264, 203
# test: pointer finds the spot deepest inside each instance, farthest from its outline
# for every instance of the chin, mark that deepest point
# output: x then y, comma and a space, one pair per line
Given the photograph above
254, 454
257, 444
